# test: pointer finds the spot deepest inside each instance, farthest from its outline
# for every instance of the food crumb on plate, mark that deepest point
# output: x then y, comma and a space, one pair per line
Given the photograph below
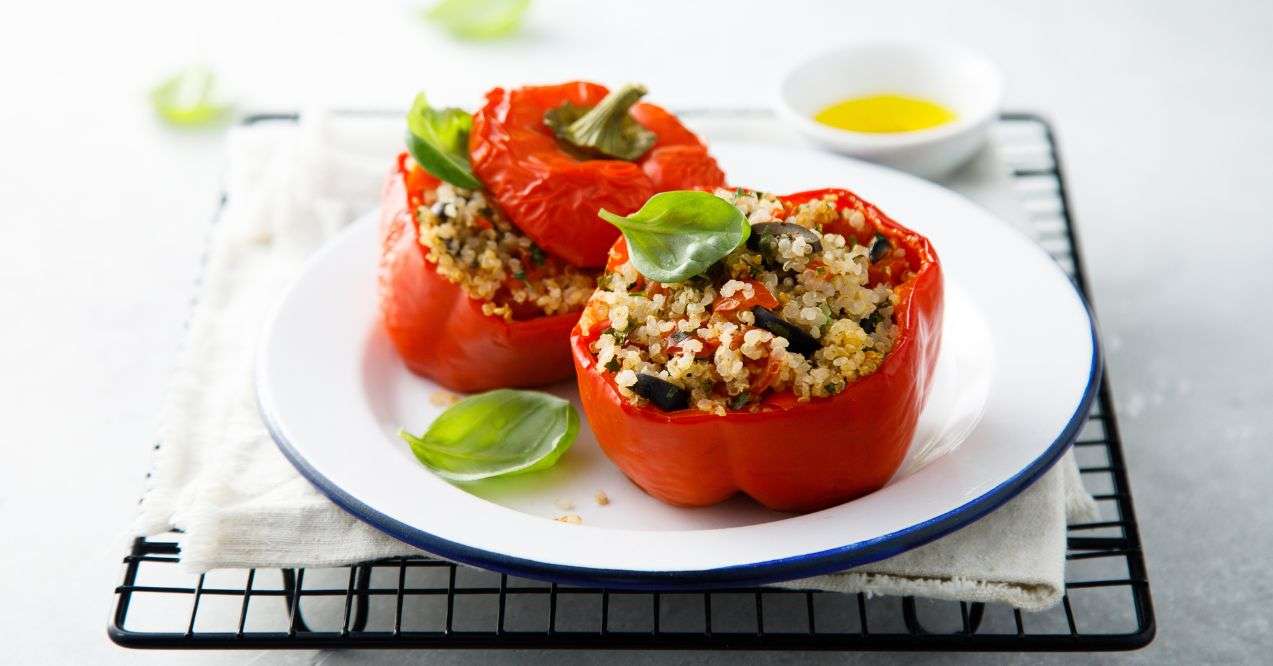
602, 498
572, 518
564, 504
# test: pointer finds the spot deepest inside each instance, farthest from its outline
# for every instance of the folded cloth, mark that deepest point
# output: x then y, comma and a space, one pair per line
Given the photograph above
219, 478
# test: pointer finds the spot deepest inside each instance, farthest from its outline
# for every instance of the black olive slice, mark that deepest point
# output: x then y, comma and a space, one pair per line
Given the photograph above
757, 242
879, 247
797, 340
868, 324
661, 393
718, 273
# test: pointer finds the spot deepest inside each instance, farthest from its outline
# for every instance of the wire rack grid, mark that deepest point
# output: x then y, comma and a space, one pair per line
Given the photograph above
420, 602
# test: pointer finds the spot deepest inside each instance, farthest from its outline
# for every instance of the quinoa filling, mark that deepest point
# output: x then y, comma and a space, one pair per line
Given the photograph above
793, 310
471, 244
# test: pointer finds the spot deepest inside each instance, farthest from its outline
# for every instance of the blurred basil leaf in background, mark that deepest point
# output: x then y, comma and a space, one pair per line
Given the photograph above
188, 98
479, 19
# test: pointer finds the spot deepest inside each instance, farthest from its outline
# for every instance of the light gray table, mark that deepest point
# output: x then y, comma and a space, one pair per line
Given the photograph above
1162, 110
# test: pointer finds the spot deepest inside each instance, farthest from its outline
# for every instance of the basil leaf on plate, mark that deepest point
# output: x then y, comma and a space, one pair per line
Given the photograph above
496, 433
188, 98
479, 19
439, 140
677, 235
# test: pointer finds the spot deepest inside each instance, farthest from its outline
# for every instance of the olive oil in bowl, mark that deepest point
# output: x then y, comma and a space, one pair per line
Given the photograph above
884, 114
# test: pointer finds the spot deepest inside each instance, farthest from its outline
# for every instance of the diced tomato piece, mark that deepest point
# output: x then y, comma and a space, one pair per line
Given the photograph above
618, 255
739, 301
767, 376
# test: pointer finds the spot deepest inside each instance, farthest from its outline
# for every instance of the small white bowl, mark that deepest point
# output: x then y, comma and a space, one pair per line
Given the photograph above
965, 82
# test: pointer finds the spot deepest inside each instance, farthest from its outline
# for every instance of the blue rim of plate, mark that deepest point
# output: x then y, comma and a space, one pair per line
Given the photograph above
740, 575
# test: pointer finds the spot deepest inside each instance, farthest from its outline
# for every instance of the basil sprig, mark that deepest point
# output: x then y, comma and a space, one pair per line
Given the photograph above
439, 140
496, 433
677, 235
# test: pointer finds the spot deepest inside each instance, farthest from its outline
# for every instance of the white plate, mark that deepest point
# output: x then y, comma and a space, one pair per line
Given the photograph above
1017, 374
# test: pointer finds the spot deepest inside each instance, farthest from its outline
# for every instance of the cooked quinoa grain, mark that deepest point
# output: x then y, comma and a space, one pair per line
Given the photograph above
472, 245
792, 311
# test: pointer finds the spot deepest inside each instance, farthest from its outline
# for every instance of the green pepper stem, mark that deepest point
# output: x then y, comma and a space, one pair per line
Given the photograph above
606, 130
606, 116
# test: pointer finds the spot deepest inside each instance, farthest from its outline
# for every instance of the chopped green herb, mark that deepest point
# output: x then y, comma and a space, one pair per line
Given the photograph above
739, 401
536, 255
520, 275
613, 365
678, 337
620, 337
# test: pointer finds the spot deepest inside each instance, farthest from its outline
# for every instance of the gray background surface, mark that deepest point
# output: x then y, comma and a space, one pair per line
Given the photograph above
1162, 110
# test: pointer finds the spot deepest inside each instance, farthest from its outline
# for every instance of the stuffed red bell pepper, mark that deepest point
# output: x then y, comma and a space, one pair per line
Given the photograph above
465, 298
469, 296
794, 369
551, 156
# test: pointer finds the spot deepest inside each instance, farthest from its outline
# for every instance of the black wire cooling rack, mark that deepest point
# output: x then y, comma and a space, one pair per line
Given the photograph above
420, 602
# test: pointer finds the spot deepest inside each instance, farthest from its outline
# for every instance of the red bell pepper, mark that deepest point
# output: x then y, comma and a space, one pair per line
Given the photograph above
788, 455
437, 328
552, 194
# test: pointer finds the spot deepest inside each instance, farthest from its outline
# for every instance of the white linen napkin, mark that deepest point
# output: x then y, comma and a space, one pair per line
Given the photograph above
220, 479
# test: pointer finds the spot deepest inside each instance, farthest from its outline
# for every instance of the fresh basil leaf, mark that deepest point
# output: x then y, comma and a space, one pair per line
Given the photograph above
188, 98
677, 235
439, 140
496, 433
479, 19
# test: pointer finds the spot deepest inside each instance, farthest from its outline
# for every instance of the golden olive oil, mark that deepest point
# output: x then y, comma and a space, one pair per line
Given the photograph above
887, 113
